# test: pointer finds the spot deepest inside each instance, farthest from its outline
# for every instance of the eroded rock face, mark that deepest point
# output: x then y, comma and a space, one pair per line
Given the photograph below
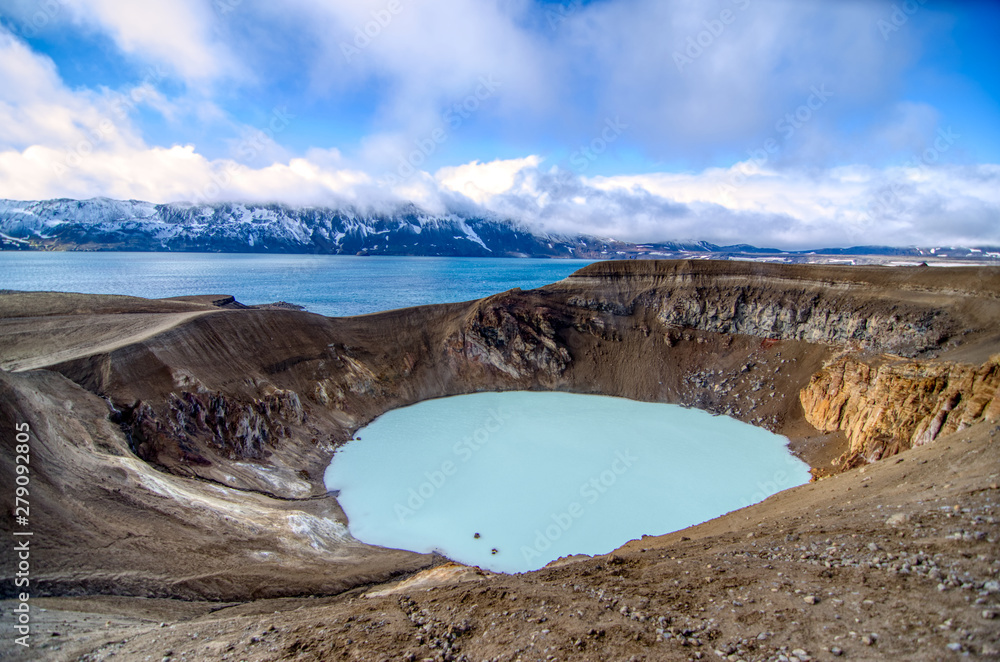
238, 430
248, 443
889, 407
900, 311
504, 334
802, 316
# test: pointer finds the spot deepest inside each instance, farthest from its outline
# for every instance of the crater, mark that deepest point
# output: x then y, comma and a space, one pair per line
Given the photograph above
185, 427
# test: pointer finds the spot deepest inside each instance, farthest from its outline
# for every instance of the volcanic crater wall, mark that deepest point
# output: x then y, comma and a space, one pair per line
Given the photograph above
845, 349
252, 403
883, 382
896, 405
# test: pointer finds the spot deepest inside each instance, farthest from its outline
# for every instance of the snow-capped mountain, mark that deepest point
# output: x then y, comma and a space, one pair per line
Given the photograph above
132, 225
103, 224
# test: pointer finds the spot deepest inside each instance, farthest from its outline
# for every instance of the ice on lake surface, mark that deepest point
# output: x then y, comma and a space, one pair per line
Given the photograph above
541, 475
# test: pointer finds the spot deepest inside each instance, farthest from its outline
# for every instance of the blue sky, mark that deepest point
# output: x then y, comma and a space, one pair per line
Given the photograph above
793, 124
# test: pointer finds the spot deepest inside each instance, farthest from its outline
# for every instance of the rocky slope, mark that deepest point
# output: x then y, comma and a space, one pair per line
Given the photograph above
178, 448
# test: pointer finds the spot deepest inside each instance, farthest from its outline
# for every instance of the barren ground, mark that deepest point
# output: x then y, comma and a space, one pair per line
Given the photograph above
196, 550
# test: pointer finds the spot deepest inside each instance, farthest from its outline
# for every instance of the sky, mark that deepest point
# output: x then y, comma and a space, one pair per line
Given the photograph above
787, 123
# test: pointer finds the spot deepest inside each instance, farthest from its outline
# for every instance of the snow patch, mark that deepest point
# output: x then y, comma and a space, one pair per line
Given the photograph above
471, 235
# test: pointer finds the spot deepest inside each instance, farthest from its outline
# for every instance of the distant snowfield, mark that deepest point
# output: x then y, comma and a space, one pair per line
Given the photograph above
512, 481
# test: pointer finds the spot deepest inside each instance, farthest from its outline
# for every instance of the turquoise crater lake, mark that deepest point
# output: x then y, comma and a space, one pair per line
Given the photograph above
511, 481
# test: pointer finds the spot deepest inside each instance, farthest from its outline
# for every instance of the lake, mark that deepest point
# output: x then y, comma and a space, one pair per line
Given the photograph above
512, 481
333, 285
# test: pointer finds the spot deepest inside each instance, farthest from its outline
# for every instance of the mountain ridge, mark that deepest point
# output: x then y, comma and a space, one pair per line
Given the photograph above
236, 227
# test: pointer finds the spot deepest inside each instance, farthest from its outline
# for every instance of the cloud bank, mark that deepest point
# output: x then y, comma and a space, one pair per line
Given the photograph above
778, 123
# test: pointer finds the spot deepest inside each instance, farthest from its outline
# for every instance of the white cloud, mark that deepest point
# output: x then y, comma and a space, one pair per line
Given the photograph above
560, 82
177, 173
426, 58
557, 82
81, 143
919, 204
685, 79
56, 142
843, 206
480, 182
35, 106
176, 33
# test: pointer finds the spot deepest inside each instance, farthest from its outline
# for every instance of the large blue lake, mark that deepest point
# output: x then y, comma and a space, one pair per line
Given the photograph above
333, 285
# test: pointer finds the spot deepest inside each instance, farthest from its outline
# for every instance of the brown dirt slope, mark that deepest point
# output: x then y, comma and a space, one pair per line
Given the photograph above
894, 562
